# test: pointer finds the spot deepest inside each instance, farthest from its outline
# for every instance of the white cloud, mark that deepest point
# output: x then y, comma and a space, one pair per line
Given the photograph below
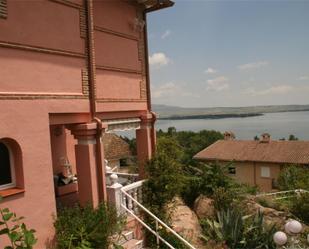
159, 59
218, 84
165, 34
253, 65
170, 89
303, 78
210, 71
274, 90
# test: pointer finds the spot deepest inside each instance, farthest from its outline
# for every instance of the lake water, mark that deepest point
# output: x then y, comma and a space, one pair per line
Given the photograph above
279, 125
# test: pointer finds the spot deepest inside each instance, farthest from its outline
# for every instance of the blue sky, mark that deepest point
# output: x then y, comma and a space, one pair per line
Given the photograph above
230, 53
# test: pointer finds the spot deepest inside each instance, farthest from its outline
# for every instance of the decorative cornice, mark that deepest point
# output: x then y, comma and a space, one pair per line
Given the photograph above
112, 32
117, 69
41, 49
3, 9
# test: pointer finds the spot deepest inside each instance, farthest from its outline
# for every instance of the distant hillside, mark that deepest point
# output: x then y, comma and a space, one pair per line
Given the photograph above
175, 112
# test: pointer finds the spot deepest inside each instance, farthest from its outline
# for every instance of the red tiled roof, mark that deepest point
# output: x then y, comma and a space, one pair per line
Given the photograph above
115, 147
289, 152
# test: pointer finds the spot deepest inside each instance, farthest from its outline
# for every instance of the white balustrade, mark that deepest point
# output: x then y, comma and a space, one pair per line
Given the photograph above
128, 199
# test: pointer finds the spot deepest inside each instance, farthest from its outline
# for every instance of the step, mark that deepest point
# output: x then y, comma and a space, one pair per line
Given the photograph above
133, 244
125, 236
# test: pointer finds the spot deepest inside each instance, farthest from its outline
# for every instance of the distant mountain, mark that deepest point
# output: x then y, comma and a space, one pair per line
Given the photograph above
176, 112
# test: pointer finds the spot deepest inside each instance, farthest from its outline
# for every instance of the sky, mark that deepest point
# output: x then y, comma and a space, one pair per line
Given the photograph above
230, 53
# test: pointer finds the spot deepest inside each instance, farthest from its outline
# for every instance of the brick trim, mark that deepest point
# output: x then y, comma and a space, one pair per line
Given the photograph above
82, 23
3, 9
41, 49
118, 69
67, 3
8, 96
85, 82
103, 100
112, 32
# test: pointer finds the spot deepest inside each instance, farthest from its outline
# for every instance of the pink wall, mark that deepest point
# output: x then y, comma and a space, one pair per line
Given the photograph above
40, 72
42, 23
117, 85
115, 15
115, 51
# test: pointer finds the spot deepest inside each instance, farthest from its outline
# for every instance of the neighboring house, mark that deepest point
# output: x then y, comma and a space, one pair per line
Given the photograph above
256, 163
69, 71
116, 150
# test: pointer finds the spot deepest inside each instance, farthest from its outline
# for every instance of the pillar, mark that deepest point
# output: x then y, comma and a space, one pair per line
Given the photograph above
145, 142
90, 171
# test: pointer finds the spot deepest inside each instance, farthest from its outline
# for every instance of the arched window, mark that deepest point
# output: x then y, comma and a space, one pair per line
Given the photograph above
7, 171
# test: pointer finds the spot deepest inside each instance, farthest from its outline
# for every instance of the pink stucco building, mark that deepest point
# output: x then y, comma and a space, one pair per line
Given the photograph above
70, 70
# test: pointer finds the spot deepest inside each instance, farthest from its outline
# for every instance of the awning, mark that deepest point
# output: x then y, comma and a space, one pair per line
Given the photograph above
123, 124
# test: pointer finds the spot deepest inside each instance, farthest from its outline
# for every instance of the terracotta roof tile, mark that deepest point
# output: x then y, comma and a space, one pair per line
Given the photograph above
291, 152
115, 147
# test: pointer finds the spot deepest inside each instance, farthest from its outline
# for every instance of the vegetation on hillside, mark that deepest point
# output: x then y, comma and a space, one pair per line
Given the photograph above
173, 172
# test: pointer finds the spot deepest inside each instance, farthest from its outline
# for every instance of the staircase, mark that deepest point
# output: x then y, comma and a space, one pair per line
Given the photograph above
131, 237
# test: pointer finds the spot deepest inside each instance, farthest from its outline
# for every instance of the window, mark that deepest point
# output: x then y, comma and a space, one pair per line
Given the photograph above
265, 172
7, 172
232, 170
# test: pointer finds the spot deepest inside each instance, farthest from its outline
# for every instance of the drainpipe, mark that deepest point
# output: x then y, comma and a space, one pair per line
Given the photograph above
91, 74
147, 62
154, 116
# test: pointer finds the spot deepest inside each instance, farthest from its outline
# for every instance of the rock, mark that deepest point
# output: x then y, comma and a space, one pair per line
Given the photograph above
203, 207
185, 222
271, 215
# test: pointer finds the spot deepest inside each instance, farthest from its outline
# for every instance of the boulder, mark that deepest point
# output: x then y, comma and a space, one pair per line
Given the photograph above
271, 215
185, 222
203, 207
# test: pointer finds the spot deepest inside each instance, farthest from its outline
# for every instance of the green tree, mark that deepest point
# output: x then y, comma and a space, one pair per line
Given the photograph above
293, 177
292, 138
164, 176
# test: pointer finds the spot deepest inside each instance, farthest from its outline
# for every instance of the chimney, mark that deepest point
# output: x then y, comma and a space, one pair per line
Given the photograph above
228, 136
265, 138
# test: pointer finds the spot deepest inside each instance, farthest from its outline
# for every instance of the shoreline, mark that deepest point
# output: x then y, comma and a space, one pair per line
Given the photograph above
212, 116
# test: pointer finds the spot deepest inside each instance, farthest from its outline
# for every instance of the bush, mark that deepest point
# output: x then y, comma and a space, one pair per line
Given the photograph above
205, 179
79, 228
300, 207
223, 198
293, 177
165, 177
165, 181
19, 235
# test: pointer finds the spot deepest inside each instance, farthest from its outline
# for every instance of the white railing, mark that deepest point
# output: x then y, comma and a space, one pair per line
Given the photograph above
283, 194
131, 203
128, 199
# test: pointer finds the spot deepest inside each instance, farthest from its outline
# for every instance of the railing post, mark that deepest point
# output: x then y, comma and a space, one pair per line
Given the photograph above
114, 193
157, 234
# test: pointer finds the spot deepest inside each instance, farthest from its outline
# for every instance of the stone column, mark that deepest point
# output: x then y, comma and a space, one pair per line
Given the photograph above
145, 143
90, 184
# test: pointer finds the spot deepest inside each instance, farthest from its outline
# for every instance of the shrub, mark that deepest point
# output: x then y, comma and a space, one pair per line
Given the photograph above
165, 177
19, 235
293, 177
300, 207
79, 228
223, 198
